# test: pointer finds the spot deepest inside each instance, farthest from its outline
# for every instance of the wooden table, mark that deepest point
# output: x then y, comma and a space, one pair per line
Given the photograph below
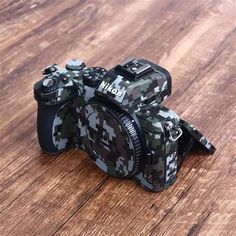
67, 194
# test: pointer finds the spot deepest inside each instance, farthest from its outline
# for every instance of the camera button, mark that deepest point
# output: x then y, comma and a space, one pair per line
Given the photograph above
48, 83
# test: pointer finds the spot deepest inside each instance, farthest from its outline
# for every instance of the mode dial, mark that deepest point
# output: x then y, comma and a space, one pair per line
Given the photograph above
75, 64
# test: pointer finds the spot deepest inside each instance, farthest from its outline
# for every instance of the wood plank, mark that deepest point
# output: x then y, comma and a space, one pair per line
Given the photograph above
68, 195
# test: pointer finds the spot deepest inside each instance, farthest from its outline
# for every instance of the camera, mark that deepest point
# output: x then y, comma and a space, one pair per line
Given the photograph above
117, 116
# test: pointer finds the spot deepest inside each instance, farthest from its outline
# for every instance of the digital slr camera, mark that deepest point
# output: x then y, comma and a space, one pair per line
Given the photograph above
117, 116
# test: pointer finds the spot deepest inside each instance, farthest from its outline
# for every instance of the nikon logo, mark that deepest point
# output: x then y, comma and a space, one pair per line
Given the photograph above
109, 88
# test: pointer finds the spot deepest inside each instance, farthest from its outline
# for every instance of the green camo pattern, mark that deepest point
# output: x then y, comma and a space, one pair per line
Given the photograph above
121, 122
109, 141
161, 170
133, 94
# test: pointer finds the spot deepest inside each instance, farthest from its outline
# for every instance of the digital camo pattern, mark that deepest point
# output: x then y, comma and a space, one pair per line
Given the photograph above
107, 134
163, 151
131, 94
66, 87
159, 176
171, 167
64, 129
67, 130
108, 140
201, 139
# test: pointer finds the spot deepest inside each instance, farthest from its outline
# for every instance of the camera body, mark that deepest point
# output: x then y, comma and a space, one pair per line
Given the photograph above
116, 116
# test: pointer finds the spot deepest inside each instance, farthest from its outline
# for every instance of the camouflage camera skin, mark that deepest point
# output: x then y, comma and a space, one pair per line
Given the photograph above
117, 116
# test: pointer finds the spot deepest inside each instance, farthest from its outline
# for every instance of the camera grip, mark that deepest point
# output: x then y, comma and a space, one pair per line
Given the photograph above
45, 119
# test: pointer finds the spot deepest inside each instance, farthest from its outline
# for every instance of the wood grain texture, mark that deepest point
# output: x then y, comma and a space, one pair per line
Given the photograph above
67, 194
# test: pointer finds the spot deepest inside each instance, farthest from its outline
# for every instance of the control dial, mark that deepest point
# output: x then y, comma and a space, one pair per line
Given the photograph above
75, 65
93, 75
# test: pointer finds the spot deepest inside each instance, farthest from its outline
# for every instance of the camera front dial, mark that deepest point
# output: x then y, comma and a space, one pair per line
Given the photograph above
113, 139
